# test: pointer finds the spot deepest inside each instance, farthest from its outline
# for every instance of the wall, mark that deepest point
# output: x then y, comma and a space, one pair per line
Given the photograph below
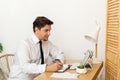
72, 20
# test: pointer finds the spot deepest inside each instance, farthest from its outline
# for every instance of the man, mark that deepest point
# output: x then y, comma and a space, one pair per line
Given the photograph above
28, 59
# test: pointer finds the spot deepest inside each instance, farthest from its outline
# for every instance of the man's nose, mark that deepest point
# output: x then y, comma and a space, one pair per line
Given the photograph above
48, 33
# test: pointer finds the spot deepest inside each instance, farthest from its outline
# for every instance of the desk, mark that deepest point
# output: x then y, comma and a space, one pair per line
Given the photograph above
90, 75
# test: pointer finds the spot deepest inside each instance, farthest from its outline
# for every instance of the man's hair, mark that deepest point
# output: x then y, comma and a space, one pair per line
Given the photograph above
40, 22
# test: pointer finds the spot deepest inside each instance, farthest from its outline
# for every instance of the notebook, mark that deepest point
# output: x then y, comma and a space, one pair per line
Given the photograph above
65, 67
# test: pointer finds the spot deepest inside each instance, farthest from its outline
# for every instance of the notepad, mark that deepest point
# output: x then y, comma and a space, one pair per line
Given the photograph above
65, 67
65, 75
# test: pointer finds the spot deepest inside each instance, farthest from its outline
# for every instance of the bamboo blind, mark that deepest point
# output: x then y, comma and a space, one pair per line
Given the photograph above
113, 40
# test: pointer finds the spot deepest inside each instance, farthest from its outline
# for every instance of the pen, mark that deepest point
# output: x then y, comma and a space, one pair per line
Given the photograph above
58, 63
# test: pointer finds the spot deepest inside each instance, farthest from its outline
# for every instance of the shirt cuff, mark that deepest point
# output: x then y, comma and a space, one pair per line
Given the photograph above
42, 68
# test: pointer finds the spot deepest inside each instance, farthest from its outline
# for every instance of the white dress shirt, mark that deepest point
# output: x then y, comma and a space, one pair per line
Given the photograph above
28, 58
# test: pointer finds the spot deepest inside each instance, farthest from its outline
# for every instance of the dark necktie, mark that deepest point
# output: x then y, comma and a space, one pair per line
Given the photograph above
42, 55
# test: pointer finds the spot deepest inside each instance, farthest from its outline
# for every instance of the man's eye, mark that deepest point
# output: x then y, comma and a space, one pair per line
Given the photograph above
46, 30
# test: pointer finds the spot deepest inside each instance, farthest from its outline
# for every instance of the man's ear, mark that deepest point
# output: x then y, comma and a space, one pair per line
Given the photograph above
36, 29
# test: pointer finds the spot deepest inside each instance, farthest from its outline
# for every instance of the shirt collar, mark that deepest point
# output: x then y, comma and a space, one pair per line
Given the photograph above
35, 39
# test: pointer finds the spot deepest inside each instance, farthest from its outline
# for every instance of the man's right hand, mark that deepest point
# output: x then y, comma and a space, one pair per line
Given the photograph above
54, 66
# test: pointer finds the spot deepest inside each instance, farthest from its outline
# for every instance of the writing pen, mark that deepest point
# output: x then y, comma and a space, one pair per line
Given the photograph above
58, 63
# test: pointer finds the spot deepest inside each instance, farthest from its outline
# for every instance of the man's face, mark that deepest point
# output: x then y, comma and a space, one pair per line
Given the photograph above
43, 33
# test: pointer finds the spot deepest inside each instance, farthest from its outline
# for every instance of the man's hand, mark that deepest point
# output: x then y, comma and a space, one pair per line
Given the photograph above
54, 66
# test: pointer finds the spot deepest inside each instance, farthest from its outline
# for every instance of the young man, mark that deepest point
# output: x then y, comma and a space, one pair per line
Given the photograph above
28, 59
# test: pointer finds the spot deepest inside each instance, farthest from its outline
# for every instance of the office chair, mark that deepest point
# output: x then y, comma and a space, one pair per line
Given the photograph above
6, 60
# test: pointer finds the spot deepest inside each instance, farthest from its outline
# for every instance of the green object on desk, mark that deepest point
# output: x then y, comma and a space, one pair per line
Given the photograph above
81, 66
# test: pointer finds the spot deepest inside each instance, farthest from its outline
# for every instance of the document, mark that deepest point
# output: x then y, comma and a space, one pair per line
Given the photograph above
65, 75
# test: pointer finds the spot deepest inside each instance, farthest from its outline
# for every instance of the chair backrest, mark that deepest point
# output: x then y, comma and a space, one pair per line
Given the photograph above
6, 60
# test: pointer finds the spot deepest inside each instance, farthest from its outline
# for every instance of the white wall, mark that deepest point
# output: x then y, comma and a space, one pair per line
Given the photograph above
72, 20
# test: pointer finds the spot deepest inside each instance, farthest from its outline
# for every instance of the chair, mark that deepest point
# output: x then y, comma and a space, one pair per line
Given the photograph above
6, 60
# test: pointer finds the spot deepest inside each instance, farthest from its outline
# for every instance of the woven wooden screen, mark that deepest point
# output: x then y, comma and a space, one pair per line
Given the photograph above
113, 40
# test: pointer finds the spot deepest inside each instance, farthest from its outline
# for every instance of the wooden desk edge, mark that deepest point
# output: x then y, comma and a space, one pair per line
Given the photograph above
97, 73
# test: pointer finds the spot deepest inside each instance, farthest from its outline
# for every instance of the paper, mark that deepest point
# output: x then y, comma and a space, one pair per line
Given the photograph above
65, 75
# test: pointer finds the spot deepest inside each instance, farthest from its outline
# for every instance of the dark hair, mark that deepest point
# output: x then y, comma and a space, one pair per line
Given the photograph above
40, 22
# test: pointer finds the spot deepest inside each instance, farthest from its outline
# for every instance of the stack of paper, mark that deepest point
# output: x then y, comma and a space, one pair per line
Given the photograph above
65, 75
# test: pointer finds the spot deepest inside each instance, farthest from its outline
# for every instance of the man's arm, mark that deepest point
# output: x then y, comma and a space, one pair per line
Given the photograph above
54, 66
